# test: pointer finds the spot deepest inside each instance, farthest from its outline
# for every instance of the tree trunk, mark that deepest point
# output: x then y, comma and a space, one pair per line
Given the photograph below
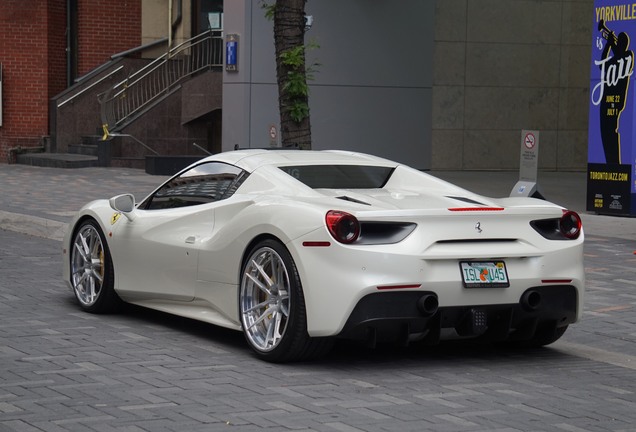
289, 33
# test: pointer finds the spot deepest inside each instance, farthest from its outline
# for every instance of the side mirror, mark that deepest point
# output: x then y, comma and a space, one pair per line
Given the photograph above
124, 204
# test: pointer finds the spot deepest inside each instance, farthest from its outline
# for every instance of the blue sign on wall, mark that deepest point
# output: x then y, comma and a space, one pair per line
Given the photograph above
231, 53
611, 188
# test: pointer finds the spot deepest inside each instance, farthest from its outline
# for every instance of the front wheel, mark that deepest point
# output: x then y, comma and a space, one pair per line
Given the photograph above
272, 306
92, 269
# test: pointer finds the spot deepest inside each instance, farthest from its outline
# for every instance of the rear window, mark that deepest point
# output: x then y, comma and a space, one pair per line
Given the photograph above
340, 176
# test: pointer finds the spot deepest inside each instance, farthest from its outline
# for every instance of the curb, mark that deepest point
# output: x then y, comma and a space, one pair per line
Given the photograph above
32, 225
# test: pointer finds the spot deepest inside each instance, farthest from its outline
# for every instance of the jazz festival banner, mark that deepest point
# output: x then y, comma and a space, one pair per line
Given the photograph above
611, 169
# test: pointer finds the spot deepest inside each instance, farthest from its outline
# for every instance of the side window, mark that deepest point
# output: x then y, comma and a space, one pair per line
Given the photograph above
201, 184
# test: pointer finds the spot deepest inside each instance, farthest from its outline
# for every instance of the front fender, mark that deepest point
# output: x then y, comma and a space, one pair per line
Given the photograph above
103, 214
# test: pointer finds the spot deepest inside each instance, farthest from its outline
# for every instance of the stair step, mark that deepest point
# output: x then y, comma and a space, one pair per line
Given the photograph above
83, 149
57, 160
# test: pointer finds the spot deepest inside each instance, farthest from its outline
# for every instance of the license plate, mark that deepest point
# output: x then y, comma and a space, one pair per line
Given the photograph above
484, 274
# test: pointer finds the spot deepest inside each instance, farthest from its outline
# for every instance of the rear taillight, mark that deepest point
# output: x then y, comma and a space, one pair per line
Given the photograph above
570, 224
567, 227
344, 227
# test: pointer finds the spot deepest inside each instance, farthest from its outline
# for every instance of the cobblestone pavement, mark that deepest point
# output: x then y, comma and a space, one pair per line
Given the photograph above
57, 194
65, 370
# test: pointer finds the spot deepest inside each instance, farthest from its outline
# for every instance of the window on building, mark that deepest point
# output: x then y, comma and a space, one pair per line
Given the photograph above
208, 15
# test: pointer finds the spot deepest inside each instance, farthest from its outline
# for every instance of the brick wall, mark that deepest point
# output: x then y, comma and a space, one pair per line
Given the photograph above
24, 73
33, 57
56, 46
106, 27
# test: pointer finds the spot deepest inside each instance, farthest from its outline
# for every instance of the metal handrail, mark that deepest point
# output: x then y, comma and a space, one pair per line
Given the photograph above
136, 140
99, 69
85, 89
128, 98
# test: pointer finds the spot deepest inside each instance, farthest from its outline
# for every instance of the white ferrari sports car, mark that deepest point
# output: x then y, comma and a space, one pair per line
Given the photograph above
295, 248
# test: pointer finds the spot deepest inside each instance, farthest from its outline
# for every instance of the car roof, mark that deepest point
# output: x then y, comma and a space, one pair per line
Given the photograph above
250, 160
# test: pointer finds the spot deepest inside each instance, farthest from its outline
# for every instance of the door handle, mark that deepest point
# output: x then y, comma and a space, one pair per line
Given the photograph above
190, 240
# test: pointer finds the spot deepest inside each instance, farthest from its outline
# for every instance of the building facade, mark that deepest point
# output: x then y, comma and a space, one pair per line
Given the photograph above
31, 69
372, 88
501, 66
446, 84
46, 45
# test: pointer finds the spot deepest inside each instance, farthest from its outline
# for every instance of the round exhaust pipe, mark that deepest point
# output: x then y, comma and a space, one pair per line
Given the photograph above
428, 304
531, 300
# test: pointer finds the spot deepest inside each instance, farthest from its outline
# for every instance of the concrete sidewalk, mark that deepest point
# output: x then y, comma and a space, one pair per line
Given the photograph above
40, 201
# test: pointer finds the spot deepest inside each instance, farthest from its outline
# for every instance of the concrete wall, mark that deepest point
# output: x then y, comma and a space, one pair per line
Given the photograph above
506, 65
154, 24
372, 91
497, 67
154, 20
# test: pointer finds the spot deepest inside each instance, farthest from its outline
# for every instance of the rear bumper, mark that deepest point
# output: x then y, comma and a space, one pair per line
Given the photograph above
336, 278
401, 317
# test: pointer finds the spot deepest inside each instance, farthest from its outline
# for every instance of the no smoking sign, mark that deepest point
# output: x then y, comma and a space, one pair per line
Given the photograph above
273, 135
530, 140
528, 165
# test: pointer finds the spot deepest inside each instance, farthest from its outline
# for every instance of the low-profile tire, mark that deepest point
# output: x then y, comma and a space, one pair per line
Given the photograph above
92, 272
272, 306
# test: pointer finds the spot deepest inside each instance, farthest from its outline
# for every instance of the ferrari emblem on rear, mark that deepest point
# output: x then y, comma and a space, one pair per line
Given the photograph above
115, 218
478, 227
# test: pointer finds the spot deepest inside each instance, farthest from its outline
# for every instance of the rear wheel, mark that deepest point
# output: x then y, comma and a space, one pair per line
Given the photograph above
92, 269
272, 306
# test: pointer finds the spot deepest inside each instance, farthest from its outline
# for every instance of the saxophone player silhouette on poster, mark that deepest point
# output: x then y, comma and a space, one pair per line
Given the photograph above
615, 73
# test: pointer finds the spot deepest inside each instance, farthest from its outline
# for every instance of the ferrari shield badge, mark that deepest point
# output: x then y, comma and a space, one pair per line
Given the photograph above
115, 218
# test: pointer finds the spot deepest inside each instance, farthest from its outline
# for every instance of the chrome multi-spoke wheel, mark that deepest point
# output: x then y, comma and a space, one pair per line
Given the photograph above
265, 299
91, 269
272, 306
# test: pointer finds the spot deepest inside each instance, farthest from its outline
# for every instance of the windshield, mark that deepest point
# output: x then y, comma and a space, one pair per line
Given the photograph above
340, 176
